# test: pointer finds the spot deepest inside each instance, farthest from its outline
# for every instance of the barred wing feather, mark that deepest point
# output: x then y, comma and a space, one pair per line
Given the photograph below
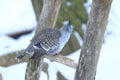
48, 39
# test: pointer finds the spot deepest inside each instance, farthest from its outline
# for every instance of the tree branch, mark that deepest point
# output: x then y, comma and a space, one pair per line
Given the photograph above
63, 60
10, 59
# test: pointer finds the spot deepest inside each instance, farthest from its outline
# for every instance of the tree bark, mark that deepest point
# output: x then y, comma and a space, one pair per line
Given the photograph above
0, 76
49, 14
47, 19
90, 51
34, 67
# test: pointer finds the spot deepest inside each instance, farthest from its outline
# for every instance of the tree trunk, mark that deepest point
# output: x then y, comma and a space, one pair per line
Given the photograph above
90, 51
47, 19
0, 76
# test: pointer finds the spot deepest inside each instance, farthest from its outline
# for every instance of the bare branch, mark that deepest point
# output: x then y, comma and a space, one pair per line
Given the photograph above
63, 60
10, 59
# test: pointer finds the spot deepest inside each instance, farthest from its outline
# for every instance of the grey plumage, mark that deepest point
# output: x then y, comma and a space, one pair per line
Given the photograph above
49, 41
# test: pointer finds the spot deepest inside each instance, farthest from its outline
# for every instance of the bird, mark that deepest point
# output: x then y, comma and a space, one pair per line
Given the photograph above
49, 41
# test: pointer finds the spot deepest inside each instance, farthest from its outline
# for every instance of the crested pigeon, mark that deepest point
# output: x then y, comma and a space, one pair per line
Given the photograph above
49, 41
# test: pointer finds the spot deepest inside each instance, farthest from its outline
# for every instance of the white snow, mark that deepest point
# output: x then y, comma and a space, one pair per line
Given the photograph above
68, 3
9, 44
15, 72
18, 15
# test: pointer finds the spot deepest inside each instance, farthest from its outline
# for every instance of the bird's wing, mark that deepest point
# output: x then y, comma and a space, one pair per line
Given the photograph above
48, 39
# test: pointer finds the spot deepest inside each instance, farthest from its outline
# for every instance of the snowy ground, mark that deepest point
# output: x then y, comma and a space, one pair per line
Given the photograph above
15, 14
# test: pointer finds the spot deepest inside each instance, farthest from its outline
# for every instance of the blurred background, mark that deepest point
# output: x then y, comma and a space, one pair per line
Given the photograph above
18, 20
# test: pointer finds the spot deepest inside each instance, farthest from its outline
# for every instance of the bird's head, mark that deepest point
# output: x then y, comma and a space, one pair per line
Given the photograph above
67, 27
